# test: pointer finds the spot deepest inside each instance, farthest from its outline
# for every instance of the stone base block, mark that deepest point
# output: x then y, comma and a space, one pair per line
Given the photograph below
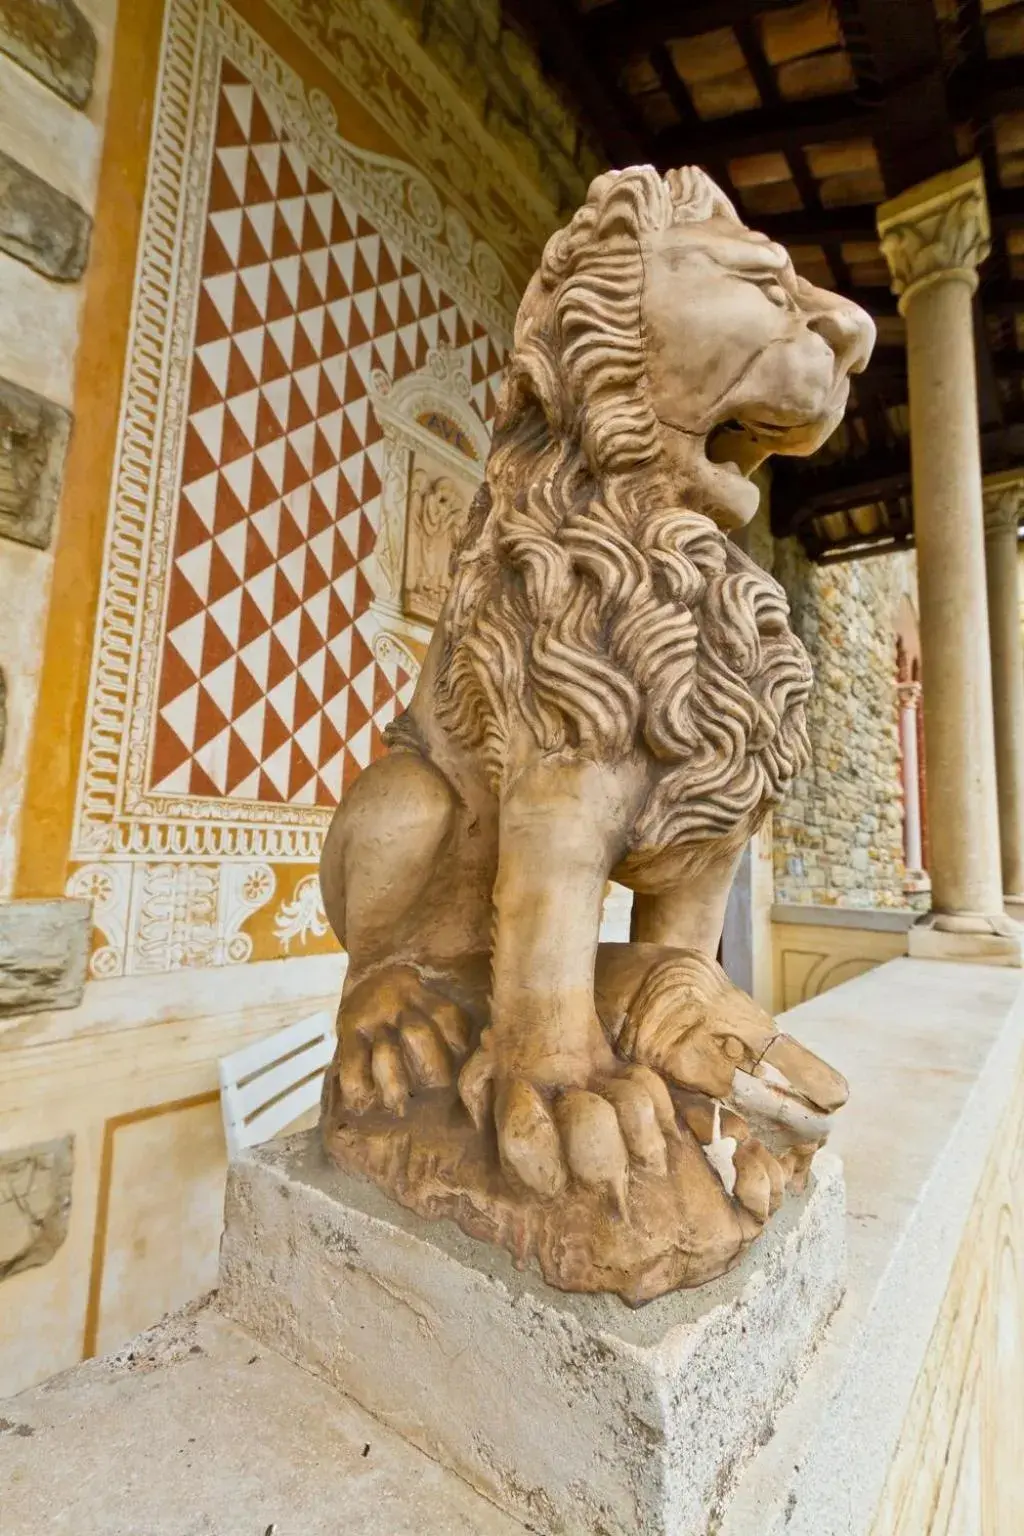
574, 1413
926, 941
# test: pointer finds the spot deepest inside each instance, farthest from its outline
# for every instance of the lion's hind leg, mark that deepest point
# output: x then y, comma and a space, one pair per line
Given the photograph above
392, 873
382, 852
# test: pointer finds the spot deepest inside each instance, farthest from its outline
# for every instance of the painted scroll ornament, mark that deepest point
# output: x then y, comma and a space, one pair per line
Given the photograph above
612, 691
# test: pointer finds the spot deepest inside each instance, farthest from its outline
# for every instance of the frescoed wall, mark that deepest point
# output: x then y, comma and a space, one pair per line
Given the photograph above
255, 571
306, 259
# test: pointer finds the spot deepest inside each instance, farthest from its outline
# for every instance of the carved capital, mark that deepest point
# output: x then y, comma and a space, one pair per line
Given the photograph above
1003, 498
935, 232
909, 695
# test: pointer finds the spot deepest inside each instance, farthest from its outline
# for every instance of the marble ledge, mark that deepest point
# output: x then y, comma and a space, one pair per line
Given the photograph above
871, 919
933, 1054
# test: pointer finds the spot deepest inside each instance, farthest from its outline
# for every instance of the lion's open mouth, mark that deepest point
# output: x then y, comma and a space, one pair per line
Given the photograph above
740, 446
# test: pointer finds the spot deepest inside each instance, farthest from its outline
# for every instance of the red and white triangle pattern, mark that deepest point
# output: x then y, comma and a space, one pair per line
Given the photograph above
269, 689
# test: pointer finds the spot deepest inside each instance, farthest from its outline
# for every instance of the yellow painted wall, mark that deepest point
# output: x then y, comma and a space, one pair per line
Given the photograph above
811, 958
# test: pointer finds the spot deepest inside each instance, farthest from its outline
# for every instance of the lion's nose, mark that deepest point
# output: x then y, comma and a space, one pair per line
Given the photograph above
849, 331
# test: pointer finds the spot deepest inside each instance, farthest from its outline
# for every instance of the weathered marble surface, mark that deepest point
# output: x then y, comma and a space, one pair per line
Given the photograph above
892, 1432
196, 1428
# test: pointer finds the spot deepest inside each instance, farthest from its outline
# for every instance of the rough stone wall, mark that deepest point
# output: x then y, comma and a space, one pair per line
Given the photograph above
53, 83
52, 101
839, 832
498, 74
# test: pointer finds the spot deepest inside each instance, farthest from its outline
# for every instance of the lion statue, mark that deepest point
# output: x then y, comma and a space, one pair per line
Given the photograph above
612, 691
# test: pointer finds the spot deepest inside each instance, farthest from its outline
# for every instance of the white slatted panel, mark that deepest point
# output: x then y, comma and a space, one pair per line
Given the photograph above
261, 1093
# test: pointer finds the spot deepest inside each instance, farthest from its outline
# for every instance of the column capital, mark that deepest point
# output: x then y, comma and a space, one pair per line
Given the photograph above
1003, 501
909, 695
936, 231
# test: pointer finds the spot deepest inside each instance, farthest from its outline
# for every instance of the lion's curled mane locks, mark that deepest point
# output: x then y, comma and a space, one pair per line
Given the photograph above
586, 599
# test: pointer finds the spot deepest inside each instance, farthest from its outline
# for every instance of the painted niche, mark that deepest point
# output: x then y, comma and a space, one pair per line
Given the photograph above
435, 451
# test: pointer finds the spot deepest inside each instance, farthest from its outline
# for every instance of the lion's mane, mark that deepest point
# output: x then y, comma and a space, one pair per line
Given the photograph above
584, 601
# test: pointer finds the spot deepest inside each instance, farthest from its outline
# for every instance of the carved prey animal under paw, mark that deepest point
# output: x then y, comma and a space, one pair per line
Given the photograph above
612, 691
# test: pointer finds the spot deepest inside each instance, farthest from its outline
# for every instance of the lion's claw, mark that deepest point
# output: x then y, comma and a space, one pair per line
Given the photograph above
749, 1172
593, 1134
397, 1036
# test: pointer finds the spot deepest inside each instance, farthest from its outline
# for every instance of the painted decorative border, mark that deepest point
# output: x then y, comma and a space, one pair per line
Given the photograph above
116, 818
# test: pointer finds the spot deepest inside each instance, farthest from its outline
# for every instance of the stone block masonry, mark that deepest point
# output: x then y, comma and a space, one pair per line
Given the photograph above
34, 437
39, 225
839, 830
54, 42
44, 949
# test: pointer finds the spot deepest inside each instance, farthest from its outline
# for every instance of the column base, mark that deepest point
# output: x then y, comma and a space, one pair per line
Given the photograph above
1014, 906
916, 882
969, 937
573, 1413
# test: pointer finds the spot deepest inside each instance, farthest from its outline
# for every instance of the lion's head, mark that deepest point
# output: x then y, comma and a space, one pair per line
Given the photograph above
595, 599
670, 338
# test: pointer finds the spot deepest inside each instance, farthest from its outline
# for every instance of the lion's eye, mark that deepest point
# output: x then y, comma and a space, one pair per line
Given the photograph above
775, 292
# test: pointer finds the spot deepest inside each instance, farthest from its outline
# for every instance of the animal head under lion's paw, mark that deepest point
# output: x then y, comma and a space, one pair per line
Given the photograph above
669, 336
689, 1022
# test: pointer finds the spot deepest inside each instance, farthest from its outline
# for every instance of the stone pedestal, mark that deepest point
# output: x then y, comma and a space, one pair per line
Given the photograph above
573, 1413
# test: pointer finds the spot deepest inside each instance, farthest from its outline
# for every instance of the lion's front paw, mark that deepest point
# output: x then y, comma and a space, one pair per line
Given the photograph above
397, 1035
594, 1130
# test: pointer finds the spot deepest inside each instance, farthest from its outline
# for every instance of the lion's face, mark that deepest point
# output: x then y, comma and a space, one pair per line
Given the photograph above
744, 358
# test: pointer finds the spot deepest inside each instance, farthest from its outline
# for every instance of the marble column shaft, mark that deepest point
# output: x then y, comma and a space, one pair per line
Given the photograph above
1004, 507
933, 237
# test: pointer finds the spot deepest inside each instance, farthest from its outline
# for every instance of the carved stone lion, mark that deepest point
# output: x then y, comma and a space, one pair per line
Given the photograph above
612, 691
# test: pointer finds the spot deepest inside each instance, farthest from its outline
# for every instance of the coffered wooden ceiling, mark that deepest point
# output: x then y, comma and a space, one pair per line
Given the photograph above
809, 113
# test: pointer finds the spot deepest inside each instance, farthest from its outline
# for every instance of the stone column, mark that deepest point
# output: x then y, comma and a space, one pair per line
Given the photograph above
934, 237
1004, 507
915, 879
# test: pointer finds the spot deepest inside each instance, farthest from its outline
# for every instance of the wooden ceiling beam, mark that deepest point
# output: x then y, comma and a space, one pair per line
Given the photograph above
897, 56
1006, 210
818, 228
622, 26
782, 128
890, 121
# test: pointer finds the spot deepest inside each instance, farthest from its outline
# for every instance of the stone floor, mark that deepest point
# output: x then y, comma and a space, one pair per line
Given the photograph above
195, 1430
